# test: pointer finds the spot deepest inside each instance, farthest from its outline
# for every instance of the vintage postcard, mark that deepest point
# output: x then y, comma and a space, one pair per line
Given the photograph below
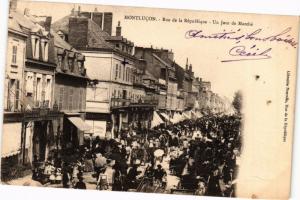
149, 100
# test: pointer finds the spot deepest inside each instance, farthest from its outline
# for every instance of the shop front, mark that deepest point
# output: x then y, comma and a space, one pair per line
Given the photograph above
39, 134
74, 128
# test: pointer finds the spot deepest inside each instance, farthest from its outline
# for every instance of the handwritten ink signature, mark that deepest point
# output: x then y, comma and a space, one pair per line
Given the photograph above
253, 53
282, 37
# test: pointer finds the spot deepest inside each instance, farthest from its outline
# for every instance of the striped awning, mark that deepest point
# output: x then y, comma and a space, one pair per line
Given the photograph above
80, 124
165, 116
11, 139
156, 120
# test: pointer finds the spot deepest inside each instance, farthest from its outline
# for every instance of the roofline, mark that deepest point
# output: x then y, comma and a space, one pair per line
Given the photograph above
17, 32
110, 50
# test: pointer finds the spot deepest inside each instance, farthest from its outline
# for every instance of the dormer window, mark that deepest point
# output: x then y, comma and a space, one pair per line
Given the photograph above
71, 57
71, 64
35, 42
45, 49
80, 63
60, 59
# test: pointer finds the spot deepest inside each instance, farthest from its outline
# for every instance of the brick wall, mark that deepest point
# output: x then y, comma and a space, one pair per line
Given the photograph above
107, 25
97, 17
78, 31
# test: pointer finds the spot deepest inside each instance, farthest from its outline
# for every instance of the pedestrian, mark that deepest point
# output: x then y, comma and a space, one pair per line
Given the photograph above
80, 184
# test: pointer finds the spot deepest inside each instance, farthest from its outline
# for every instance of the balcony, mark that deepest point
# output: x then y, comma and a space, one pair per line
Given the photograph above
119, 102
138, 84
145, 102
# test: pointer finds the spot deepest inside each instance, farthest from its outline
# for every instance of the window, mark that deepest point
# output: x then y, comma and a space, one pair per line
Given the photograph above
71, 99
124, 72
48, 89
13, 95
35, 41
117, 71
38, 89
45, 47
29, 84
80, 66
14, 54
80, 99
61, 97
71, 64
120, 71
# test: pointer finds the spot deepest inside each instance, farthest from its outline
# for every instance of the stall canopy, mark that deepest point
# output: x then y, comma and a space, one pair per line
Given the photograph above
156, 120
187, 115
177, 118
196, 115
79, 123
167, 118
11, 139
98, 128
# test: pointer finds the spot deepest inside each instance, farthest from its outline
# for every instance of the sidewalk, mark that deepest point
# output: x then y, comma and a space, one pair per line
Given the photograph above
24, 181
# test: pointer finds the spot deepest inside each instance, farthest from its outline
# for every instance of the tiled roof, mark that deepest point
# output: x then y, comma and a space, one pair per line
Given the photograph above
59, 42
96, 36
29, 22
162, 61
61, 25
14, 25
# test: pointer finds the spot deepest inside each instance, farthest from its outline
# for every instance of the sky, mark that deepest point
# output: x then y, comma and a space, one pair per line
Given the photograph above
203, 55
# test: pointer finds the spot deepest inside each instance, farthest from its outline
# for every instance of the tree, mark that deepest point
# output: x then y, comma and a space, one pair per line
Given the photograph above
237, 101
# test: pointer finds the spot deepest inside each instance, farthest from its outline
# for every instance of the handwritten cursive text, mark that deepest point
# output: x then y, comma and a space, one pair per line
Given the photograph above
281, 37
253, 53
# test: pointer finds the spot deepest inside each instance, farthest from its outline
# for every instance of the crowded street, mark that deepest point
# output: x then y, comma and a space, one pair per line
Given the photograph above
90, 109
192, 157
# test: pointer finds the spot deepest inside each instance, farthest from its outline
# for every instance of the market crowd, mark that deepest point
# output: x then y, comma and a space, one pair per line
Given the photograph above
201, 154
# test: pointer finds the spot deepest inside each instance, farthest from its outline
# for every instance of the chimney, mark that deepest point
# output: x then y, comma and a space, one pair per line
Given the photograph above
86, 14
191, 68
187, 64
47, 24
97, 17
13, 6
78, 31
73, 12
107, 23
171, 55
119, 29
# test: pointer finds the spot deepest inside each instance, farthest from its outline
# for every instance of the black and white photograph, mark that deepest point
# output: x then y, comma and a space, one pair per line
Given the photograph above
166, 101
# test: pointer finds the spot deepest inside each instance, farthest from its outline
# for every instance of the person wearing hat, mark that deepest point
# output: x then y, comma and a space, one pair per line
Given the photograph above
159, 173
100, 163
80, 184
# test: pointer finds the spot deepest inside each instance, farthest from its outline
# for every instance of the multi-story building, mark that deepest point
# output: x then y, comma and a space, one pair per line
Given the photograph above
111, 95
13, 96
32, 66
70, 93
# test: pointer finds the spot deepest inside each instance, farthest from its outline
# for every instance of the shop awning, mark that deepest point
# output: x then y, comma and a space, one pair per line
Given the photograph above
79, 123
98, 128
177, 118
11, 139
156, 120
186, 115
165, 116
